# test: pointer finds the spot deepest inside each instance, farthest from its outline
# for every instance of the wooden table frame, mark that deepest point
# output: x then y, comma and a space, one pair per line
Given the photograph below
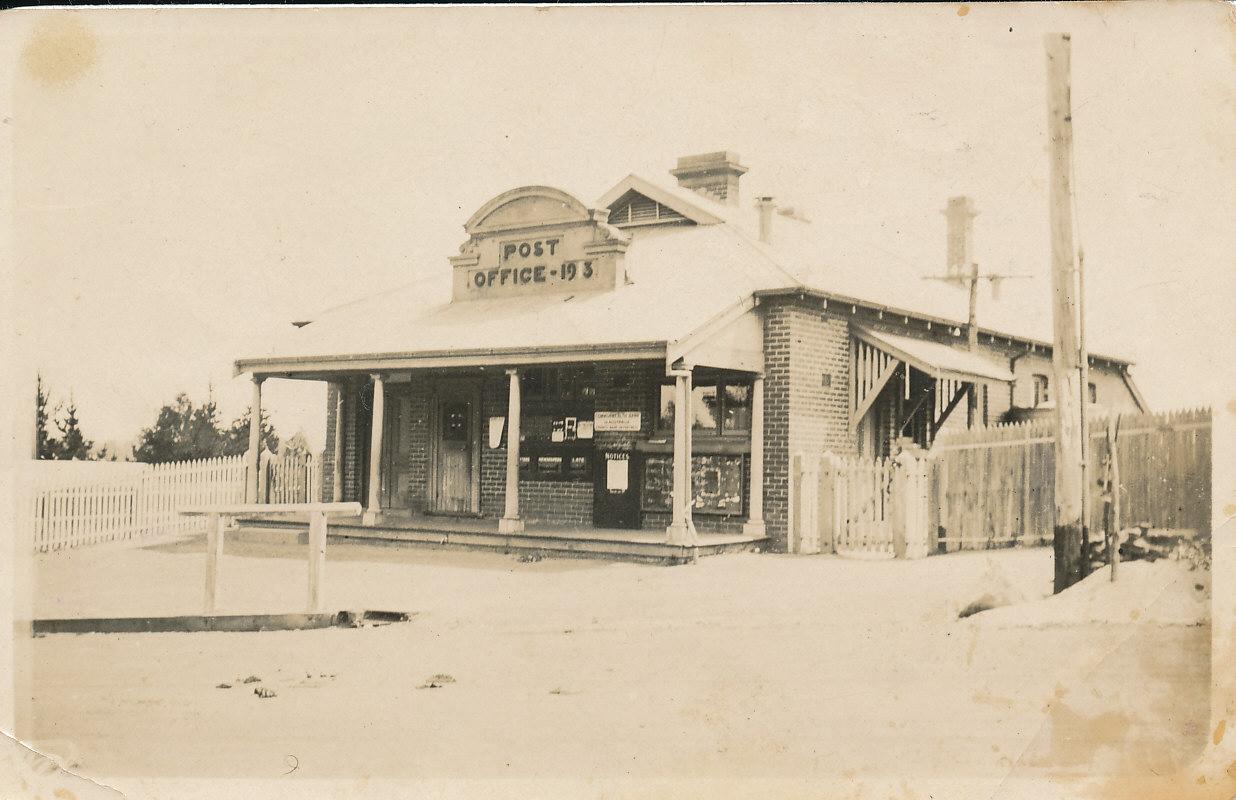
218, 516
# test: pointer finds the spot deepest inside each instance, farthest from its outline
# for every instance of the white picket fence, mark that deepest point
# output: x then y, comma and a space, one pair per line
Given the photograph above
141, 504
859, 507
140, 507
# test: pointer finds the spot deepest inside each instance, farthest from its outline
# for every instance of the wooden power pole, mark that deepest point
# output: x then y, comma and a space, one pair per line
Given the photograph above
1068, 532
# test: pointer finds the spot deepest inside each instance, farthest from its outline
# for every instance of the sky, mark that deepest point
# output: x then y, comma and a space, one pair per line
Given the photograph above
187, 181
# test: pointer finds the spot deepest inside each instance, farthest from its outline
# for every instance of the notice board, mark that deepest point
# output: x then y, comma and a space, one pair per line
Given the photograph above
716, 482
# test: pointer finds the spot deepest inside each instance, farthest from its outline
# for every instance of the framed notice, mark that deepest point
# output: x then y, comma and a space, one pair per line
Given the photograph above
629, 421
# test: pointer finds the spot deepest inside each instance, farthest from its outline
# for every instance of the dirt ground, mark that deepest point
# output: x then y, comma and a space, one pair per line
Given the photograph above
814, 672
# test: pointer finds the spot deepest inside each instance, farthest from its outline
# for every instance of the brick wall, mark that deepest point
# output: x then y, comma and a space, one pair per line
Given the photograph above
328, 453
806, 384
353, 448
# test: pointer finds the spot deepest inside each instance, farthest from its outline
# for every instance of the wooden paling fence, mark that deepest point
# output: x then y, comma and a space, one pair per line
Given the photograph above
859, 507
294, 476
996, 486
103, 505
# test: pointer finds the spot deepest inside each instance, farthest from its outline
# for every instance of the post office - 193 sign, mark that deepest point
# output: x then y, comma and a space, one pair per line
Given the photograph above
530, 261
551, 262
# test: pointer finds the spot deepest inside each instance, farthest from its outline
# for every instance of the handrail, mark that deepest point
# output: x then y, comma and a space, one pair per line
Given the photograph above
218, 515
258, 509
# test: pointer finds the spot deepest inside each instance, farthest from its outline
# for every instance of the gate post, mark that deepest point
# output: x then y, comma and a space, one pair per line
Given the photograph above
903, 500
827, 513
809, 522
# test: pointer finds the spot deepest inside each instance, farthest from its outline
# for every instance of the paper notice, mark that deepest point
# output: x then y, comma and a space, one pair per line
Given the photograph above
616, 474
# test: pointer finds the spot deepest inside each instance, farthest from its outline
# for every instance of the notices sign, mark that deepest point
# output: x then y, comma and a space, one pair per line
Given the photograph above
617, 421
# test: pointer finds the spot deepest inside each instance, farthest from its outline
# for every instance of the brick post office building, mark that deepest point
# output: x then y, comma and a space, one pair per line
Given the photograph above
647, 363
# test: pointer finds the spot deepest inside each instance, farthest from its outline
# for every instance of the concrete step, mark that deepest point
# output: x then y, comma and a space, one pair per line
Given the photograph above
545, 545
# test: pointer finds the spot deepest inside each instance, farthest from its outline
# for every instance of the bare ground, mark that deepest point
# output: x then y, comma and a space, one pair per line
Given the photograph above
815, 670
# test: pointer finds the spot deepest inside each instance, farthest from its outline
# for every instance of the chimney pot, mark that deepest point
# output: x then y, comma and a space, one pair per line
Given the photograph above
713, 175
766, 206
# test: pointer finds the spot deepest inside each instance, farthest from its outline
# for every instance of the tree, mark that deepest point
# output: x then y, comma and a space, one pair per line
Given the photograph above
185, 431
46, 444
72, 445
237, 437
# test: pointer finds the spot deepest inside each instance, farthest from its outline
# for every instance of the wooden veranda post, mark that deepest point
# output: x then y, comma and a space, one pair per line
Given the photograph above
682, 529
255, 442
755, 512
1067, 538
374, 505
511, 522
337, 462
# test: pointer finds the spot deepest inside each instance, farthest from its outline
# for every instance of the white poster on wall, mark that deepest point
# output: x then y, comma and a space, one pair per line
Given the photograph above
616, 474
496, 424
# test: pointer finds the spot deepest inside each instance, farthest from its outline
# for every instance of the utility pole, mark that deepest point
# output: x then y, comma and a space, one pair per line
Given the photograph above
1068, 539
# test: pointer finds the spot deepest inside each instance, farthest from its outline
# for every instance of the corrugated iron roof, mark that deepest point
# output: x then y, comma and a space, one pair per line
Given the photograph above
681, 276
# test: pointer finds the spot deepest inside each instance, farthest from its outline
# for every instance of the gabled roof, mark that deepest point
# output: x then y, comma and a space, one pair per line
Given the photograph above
692, 205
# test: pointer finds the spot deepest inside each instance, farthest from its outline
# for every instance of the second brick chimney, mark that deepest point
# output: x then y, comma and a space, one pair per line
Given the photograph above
712, 174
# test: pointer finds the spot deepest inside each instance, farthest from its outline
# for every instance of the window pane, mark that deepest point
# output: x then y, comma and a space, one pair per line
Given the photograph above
533, 384
737, 407
704, 408
666, 413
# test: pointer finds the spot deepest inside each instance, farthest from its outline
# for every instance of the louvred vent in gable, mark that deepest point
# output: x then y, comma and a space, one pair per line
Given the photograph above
634, 208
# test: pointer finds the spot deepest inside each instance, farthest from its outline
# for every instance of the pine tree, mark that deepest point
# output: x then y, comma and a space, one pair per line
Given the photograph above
237, 436
46, 444
73, 445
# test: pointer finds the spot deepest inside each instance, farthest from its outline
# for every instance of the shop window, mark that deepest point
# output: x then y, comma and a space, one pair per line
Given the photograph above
1041, 393
555, 387
717, 407
737, 407
705, 408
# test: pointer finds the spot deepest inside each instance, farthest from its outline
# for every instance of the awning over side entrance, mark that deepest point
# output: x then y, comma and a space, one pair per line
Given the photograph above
876, 355
937, 360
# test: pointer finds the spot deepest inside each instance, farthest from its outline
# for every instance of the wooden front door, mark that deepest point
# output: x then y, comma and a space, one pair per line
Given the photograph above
456, 448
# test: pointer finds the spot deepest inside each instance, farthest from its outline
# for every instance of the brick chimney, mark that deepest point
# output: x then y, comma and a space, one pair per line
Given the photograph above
959, 214
712, 174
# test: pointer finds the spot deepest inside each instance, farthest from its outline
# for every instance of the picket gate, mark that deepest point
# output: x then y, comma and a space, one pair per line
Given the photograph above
859, 507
